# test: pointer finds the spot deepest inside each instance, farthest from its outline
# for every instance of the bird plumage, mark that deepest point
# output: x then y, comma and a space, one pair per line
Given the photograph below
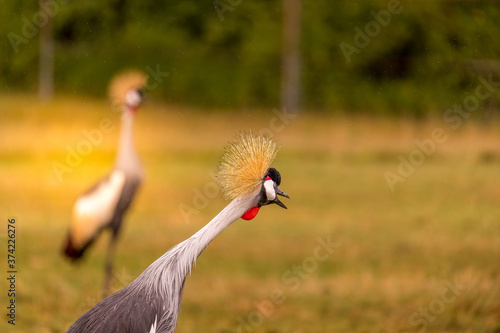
244, 164
122, 84
154, 297
104, 204
92, 211
151, 302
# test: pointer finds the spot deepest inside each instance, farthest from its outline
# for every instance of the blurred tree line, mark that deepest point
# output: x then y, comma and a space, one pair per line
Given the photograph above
227, 53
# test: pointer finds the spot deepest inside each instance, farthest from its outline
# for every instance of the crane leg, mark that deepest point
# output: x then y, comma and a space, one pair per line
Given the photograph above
108, 269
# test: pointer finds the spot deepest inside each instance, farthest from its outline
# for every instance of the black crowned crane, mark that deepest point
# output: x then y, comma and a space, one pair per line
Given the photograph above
104, 204
151, 302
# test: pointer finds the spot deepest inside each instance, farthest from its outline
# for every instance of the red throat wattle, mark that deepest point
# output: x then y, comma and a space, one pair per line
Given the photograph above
251, 213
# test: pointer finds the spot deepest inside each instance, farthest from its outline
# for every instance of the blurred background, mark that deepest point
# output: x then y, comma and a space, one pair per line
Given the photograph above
387, 116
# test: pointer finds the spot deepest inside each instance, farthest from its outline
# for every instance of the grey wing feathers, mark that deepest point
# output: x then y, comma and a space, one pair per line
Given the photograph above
127, 195
119, 313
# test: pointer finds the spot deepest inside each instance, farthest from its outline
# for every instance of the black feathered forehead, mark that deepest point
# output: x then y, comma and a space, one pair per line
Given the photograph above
274, 175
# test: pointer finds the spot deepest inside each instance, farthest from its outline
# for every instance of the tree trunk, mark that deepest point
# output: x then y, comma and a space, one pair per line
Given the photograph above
290, 80
46, 64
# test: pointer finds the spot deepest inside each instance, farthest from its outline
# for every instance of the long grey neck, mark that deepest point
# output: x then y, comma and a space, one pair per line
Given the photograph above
127, 158
200, 240
164, 279
189, 250
176, 263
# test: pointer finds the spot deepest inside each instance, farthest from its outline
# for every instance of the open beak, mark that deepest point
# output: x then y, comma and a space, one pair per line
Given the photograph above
278, 201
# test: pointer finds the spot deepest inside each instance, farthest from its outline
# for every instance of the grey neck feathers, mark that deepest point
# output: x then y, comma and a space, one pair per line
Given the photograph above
127, 159
165, 277
199, 241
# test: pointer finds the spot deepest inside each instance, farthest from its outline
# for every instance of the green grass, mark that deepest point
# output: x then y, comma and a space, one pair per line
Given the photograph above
396, 251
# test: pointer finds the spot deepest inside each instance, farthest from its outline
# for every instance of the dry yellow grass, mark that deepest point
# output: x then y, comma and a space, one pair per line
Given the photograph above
395, 256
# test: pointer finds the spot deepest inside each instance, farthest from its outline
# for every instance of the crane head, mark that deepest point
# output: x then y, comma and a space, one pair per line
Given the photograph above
270, 189
134, 98
244, 170
126, 90
268, 194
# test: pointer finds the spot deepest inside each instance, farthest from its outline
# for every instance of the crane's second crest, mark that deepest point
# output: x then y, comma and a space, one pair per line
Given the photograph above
244, 164
123, 83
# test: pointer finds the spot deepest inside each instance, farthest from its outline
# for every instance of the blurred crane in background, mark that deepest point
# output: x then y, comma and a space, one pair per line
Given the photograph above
104, 204
151, 302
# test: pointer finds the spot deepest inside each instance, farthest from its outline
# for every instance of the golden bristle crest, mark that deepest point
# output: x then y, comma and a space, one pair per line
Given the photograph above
123, 83
244, 164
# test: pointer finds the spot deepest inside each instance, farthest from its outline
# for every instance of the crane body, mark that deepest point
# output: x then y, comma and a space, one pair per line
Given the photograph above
104, 205
151, 302
153, 299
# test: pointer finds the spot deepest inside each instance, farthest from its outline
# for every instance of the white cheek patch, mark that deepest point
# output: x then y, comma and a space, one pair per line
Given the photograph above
269, 187
133, 98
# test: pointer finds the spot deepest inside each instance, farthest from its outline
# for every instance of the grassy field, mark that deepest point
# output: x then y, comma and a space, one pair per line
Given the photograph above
420, 257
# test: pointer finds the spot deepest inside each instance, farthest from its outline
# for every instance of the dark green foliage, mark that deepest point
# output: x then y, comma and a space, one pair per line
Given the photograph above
423, 61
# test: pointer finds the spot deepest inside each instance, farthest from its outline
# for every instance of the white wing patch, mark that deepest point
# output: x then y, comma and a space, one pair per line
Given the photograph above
270, 192
153, 327
95, 209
